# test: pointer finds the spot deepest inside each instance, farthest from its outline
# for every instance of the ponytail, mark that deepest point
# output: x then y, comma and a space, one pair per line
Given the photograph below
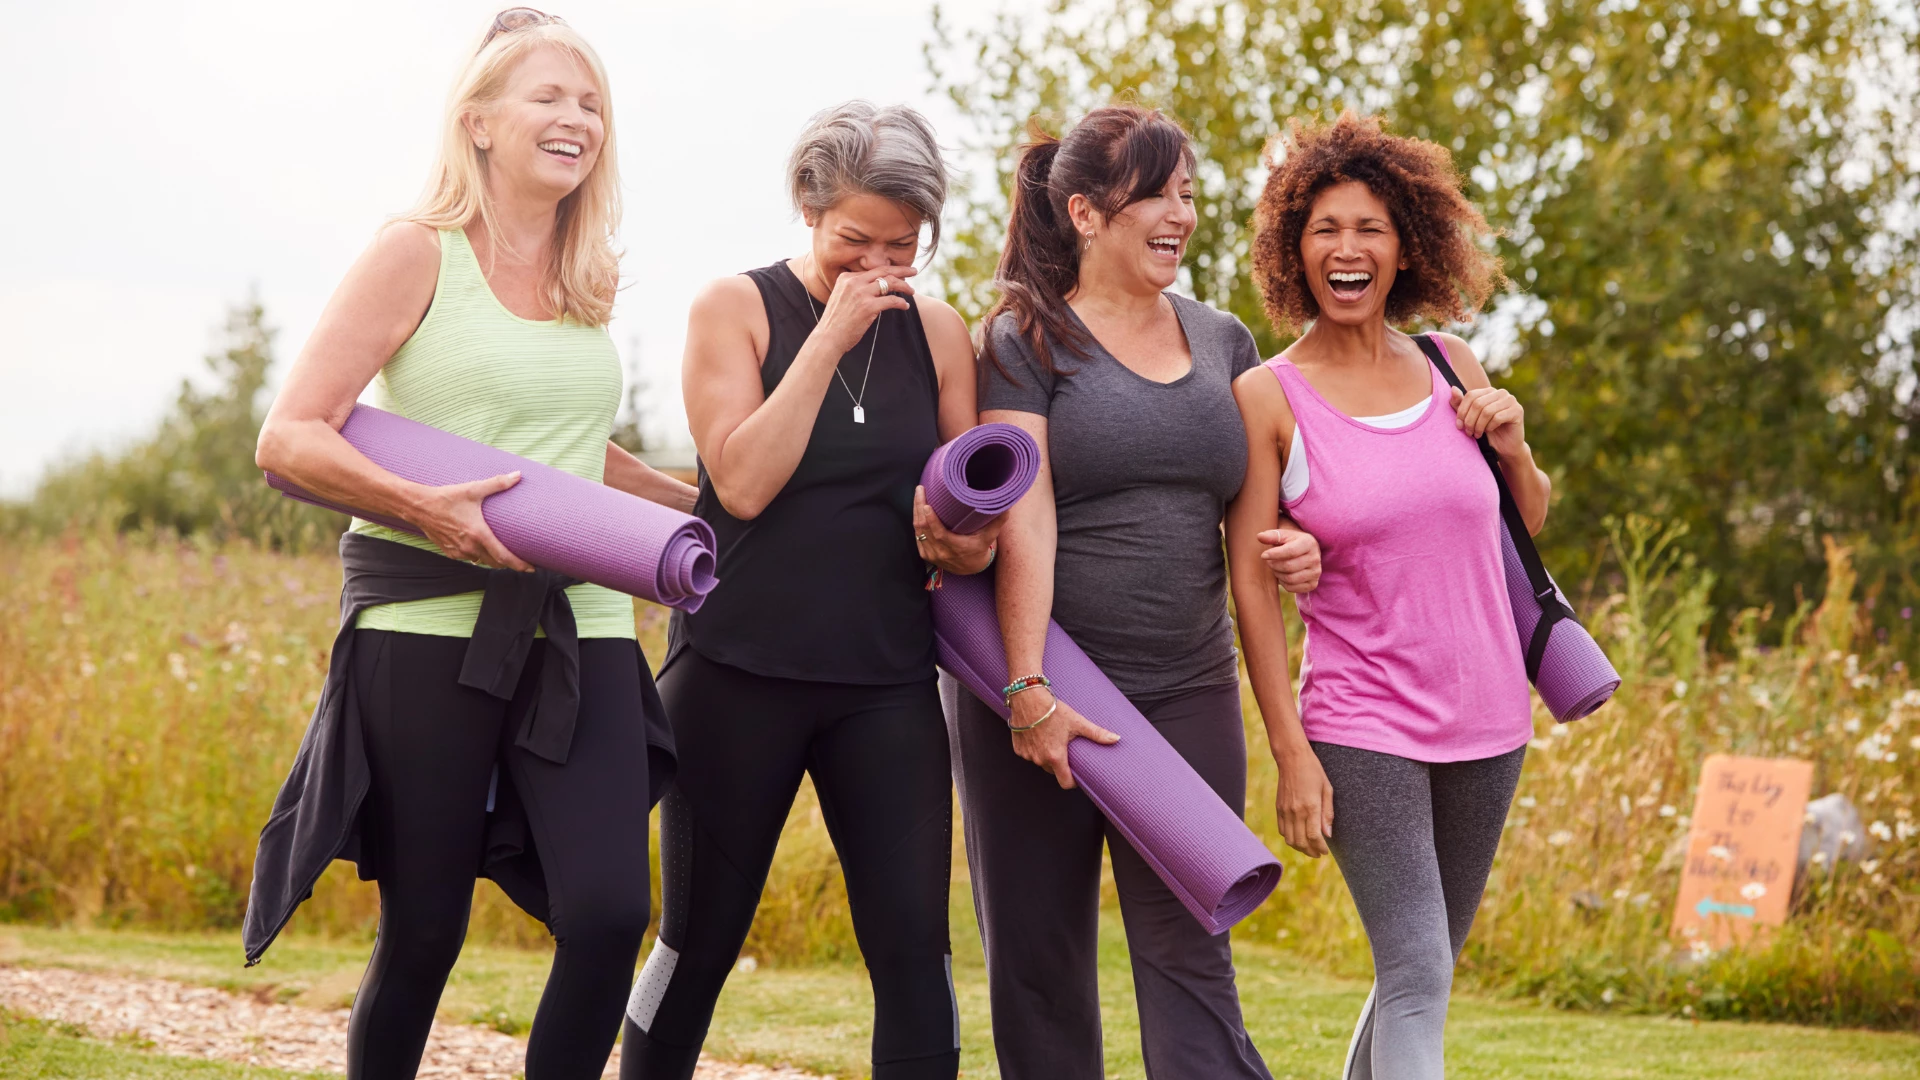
1115, 157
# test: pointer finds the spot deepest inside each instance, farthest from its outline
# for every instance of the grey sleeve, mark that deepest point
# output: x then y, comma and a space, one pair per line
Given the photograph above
1024, 386
1243, 351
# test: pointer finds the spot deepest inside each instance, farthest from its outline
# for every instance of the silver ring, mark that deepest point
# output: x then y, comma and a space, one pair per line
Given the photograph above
922, 538
883, 286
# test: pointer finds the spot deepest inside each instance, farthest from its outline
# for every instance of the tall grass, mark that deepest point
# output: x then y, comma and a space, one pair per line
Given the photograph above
152, 693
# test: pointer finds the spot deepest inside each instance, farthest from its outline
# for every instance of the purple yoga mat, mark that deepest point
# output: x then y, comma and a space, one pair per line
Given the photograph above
551, 518
1193, 840
1575, 677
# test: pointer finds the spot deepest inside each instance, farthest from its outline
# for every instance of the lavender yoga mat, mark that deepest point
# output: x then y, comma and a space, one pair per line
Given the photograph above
1575, 677
1193, 840
551, 518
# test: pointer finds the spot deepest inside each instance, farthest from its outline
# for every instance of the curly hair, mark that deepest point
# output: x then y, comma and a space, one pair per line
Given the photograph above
1448, 275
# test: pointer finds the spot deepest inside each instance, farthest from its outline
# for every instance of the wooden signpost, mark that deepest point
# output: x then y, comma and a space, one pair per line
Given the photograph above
1744, 838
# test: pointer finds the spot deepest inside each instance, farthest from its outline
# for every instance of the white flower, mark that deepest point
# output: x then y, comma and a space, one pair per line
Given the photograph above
1538, 744
1640, 899
747, 965
177, 665
1720, 852
1847, 838
1626, 805
279, 660
1891, 757
1606, 996
1870, 866
1819, 858
87, 669
1879, 829
1701, 949
1680, 688
1559, 731
1851, 725
1762, 698
1905, 829
1620, 894
1528, 802
1561, 838
1668, 810
1914, 742
1752, 890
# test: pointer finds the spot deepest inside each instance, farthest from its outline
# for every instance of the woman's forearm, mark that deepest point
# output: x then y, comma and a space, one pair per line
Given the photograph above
314, 456
1024, 585
635, 477
758, 457
1532, 488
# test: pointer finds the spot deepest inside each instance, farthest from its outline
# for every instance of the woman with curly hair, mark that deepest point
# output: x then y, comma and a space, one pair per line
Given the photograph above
1413, 716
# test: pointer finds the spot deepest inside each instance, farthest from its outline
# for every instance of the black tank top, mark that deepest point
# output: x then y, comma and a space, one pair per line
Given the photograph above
826, 583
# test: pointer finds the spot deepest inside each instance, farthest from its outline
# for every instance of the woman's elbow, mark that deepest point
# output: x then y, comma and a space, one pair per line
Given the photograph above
270, 449
740, 505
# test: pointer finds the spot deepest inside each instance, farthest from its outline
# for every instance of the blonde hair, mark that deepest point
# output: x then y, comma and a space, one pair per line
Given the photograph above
585, 271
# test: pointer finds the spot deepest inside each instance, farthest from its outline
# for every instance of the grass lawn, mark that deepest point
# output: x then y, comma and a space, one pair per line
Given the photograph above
817, 1017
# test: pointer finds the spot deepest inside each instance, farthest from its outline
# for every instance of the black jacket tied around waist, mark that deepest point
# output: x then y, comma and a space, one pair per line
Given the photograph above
316, 818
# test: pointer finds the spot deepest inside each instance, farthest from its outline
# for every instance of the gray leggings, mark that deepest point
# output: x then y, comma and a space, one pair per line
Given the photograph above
1414, 841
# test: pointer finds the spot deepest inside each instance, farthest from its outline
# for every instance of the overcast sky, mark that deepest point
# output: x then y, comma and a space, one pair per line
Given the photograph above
167, 157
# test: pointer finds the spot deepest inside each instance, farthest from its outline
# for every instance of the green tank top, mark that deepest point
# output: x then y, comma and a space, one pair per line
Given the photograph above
544, 390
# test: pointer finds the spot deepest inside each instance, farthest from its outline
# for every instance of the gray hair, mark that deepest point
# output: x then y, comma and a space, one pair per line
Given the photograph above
860, 149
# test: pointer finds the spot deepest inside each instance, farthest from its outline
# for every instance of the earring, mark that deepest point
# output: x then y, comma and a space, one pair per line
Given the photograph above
484, 144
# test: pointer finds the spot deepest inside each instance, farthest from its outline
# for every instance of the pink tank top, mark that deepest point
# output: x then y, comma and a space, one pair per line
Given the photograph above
1410, 647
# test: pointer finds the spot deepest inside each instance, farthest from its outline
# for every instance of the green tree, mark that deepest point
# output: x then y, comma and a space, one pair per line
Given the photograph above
1706, 210
195, 475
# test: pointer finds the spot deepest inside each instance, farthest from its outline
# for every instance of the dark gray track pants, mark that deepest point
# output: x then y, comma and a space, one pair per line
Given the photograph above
1415, 841
1034, 853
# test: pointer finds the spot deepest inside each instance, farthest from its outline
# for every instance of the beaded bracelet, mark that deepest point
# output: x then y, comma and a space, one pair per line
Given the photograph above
1024, 682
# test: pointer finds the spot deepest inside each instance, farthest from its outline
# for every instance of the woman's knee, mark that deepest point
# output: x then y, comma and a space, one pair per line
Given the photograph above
1416, 976
614, 925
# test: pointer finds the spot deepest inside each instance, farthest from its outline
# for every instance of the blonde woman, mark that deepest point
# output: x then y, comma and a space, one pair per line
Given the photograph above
482, 312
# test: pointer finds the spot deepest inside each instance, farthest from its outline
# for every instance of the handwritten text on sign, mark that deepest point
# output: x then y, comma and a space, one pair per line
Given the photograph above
1740, 854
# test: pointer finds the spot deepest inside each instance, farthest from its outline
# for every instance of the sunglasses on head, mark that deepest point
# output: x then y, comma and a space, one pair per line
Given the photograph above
519, 18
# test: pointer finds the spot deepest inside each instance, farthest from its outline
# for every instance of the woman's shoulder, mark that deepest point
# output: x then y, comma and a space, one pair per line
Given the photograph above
405, 247
1211, 331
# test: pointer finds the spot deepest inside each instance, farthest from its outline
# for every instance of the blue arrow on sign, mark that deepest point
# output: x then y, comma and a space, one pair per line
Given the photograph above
1708, 907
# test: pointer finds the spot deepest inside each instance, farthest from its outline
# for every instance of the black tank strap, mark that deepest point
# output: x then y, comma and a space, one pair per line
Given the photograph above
1552, 608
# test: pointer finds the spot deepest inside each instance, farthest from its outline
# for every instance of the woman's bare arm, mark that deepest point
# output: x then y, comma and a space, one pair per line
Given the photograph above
751, 441
1024, 597
954, 366
1497, 414
376, 308
1304, 799
636, 477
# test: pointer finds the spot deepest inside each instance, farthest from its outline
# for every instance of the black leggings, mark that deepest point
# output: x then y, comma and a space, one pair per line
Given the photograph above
878, 758
432, 746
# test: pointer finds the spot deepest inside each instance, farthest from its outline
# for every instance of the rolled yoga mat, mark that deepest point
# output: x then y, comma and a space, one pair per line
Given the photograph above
1197, 844
1575, 677
551, 518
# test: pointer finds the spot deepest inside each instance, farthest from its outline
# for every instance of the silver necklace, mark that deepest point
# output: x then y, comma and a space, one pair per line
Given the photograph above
859, 413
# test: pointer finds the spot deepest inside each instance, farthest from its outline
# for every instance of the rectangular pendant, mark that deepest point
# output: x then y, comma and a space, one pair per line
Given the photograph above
859, 415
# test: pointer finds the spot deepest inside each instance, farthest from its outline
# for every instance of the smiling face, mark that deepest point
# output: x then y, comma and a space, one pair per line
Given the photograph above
544, 133
1350, 252
862, 232
1147, 239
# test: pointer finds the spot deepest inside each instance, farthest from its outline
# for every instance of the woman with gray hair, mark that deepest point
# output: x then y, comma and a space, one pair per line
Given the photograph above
816, 388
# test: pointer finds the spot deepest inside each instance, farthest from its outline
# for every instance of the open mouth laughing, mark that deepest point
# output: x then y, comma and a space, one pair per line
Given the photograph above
1165, 246
562, 149
1349, 286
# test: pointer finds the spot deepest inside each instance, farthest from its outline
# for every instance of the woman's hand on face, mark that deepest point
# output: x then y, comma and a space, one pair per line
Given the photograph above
452, 520
1046, 745
1304, 802
953, 553
1293, 556
856, 300
1494, 413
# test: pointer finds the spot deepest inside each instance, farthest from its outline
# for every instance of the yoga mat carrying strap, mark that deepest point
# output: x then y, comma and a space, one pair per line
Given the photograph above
1552, 607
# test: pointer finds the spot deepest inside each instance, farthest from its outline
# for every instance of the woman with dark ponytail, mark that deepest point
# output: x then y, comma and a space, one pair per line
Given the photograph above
1127, 388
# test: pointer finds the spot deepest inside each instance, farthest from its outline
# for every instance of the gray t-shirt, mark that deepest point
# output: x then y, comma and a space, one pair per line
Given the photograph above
1142, 472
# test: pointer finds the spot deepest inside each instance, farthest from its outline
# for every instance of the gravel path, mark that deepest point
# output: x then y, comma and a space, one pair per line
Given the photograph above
198, 1021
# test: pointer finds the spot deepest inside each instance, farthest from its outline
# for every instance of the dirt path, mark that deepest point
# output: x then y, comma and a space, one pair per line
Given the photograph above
197, 1021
